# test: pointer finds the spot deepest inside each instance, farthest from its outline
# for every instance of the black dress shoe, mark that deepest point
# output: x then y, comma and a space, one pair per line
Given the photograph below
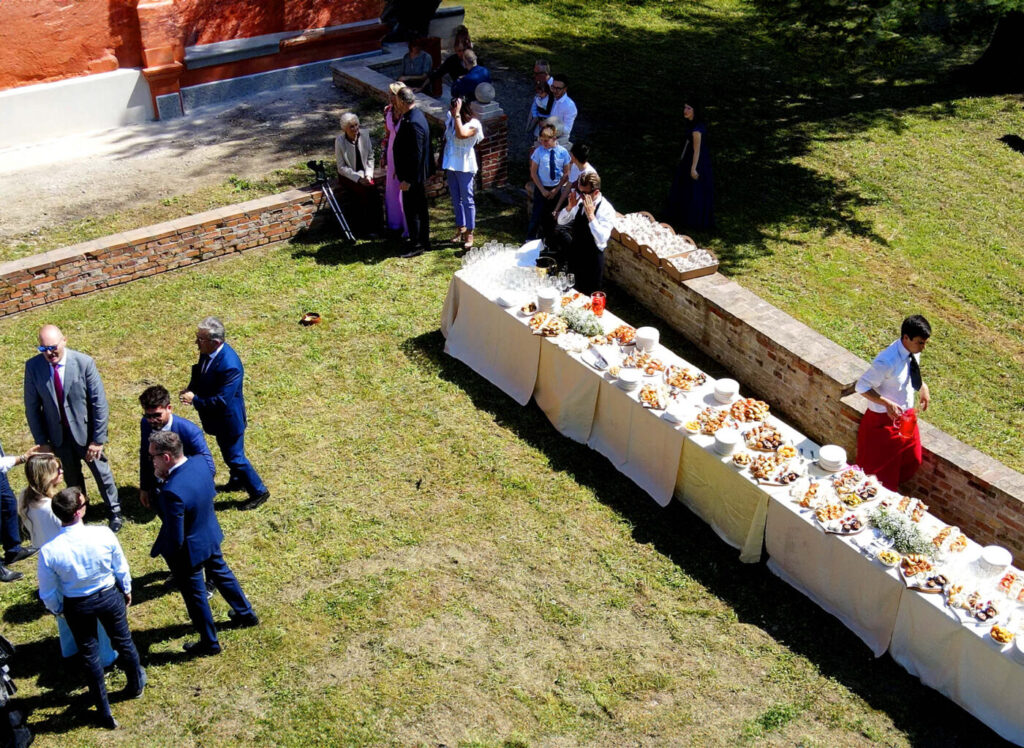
136, 693
116, 523
201, 649
107, 722
13, 557
6, 575
233, 484
237, 621
414, 252
255, 501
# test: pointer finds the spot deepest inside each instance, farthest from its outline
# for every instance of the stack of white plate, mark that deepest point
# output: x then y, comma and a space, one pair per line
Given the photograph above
832, 458
629, 378
726, 441
726, 390
548, 299
994, 560
646, 338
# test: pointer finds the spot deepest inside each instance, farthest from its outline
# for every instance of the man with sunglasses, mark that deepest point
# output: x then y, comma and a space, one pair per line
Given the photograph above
67, 413
158, 415
563, 107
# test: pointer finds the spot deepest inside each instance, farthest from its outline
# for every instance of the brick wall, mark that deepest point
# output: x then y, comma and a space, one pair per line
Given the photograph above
809, 380
112, 260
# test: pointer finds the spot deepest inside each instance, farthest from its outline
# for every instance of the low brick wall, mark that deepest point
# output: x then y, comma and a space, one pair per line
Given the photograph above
809, 380
120, 258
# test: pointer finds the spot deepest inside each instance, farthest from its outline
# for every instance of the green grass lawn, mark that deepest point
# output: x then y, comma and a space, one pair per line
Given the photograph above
437, 564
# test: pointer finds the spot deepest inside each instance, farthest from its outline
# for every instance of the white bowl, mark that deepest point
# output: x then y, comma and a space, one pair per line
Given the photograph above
994, 559
1018, 648
832, 457
629, 378
726, 441
726, 390
646, 338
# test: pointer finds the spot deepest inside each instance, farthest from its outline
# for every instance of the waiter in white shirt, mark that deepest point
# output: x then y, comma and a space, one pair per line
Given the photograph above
83, 575
584, 227
888, 440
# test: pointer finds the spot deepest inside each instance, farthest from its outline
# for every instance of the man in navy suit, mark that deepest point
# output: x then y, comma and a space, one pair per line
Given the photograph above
215, 391
157, 415
190, 537
66, 410
413, 166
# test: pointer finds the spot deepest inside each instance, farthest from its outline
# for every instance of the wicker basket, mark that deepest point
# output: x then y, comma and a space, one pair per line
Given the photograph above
679, 276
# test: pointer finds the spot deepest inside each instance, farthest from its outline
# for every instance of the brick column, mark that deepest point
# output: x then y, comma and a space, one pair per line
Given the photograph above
492, 152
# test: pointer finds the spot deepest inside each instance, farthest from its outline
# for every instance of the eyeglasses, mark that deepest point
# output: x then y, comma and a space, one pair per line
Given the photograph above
557, 88
47, 348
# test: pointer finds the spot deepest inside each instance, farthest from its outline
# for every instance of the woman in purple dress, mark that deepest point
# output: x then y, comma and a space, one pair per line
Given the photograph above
392, 193
691, 199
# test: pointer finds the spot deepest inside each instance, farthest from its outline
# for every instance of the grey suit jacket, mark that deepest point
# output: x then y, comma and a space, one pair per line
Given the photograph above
85, 402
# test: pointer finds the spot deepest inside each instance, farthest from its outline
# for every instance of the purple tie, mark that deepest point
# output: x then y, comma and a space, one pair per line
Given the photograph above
58, 387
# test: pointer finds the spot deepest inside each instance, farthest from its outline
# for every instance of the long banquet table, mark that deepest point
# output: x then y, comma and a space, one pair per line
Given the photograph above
666, 461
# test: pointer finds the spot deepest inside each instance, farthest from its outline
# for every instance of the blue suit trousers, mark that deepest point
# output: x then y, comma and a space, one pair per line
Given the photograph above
232, 449
193, 589
10, 532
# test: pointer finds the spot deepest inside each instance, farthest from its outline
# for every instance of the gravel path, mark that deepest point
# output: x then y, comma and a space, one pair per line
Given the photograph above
96, 174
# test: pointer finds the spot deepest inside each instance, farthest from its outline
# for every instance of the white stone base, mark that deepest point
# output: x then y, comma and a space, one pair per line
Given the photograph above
90, 102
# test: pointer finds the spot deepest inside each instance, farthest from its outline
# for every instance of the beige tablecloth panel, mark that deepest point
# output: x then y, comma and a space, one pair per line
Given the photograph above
960, 661
566, 390
833, 573
492, 341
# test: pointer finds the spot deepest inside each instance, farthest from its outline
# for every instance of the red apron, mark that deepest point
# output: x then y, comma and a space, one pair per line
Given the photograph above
890, 450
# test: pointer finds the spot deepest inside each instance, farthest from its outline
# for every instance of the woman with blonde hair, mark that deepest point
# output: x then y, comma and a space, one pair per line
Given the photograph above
392, 192
44, 475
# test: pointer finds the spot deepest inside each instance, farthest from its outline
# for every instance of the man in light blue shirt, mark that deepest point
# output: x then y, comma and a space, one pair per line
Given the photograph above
84, 576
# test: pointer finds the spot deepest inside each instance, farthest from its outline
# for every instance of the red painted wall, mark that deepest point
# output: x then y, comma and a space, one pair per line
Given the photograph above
46, 40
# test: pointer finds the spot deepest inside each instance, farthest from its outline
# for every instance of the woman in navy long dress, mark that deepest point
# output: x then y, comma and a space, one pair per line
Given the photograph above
691, 199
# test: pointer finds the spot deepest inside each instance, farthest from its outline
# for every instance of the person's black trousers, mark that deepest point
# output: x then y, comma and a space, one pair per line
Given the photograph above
417, 216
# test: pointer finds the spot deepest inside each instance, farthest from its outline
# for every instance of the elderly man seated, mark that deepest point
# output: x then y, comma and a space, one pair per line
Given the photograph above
359, 197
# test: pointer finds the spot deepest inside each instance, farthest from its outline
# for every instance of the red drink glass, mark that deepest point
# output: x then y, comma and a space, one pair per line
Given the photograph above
597, 303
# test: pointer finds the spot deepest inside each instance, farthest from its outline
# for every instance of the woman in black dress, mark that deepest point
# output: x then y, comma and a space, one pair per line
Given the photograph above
691, 199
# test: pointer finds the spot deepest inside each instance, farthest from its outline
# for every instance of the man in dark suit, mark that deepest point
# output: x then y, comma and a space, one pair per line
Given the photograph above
413, 166
66, 409
190, 537
157, 415
215, 390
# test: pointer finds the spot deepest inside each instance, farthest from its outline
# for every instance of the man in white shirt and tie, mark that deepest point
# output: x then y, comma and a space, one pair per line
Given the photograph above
84, 576
888, 440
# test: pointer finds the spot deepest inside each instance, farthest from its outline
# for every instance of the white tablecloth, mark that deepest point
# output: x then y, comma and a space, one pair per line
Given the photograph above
834, 573
493, 342
961, 661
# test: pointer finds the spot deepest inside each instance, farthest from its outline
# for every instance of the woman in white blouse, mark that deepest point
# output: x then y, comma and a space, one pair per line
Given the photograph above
462, 131
44, 475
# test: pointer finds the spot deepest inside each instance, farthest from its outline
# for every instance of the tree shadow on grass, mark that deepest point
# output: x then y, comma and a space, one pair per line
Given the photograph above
767, 107
684, 538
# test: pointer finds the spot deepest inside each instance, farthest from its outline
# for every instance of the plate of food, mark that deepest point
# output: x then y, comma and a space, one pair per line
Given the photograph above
915, 565
888, 557
972, 607
683, 378
742, 459
763, 466
836, 519
748, 410
644, 361
764, 438
528, 309
931, 584
711, 420
548, 325
654, 397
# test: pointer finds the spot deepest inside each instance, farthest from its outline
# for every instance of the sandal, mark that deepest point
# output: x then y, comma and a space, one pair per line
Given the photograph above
458, 238
469, 241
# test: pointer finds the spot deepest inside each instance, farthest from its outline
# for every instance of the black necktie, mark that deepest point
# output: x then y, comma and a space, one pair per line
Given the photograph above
915, 374
551, 164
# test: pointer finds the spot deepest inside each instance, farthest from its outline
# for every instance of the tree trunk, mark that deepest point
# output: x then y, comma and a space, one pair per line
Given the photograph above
1001, 67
